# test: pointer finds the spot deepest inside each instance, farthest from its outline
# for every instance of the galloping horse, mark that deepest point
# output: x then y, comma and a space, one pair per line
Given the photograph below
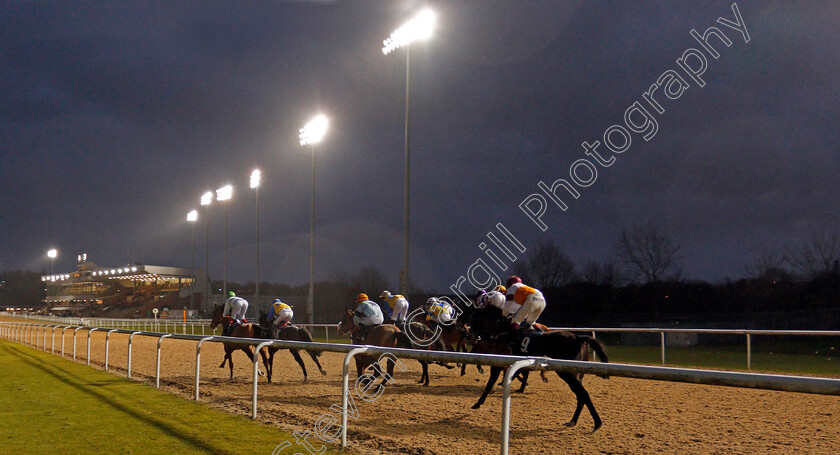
241, 331
385, 335
289, 333
555, 345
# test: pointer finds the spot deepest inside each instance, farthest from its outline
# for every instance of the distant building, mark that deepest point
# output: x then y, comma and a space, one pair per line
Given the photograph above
92, 285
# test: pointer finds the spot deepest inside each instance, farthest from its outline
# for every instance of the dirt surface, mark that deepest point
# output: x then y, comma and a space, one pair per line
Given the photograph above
640, 417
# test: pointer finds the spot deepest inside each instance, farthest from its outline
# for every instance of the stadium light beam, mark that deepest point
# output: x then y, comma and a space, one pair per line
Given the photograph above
420, 27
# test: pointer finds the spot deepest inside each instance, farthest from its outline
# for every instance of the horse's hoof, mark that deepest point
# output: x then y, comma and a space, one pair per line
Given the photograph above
598, 425
304, 381
476, 406
323, 373
570, 424
545, 379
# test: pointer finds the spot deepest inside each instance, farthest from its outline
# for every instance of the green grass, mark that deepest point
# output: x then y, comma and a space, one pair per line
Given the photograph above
729, 358
52, 405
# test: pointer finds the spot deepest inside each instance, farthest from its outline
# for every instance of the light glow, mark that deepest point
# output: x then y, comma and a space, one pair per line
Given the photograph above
224, 193
418, 28
52, 253
255, 178
192, 216
207, 198
314, 131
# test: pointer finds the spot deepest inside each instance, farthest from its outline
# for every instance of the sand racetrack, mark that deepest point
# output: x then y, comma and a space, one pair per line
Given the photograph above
640, 416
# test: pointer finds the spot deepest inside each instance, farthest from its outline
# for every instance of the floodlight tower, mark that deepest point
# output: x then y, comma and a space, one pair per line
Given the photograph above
224, 194
416, 29
255, 184
206, 199
192, 217
312, 133
52, 254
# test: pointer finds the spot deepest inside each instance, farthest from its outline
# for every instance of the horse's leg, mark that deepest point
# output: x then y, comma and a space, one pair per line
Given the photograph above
249, 351
227, 355
494, 374
315, 359
270, 366
524, 379
264, 355
299, 360
582, 399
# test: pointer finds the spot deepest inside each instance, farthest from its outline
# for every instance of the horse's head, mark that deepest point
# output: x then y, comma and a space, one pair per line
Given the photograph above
218, 310
264, 319
487, 321
346, 326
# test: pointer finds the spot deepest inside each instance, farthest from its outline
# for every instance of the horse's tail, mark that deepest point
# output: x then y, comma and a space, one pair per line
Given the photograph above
596, 346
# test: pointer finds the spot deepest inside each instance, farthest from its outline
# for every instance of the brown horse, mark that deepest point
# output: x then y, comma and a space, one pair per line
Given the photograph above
241, 331
385, 335
289, 333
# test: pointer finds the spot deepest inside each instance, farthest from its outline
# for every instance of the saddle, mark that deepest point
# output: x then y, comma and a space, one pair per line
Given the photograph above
229, 325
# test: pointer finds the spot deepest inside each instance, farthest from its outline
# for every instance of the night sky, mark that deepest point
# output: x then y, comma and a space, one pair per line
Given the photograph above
115, 117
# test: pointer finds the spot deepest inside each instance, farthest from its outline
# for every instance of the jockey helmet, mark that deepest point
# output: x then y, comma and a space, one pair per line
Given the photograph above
385, 294
432, 301
512, 280
231, 294
481, 293
361, 298
501, 289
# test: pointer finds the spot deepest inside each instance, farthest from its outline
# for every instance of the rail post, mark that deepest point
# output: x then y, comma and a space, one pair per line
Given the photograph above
749, 354
256, 368
662, 341
52, 345
518, 365
45, 336
157, 362
128, 367
198, 362
107, 345
74, 342
62, 339
345, 391
88, 342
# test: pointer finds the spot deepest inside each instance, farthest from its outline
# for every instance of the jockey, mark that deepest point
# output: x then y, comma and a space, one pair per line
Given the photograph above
398, 306
234, 313
532, 304
438, 312
511, 306
280, 313
494, 298
366, 315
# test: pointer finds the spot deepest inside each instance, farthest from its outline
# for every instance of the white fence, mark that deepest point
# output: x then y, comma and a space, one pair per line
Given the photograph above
30, 334
201, 327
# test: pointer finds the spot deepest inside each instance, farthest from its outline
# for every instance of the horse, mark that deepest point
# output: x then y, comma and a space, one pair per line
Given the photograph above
454, 337
556, 345
240, 331
385, 335
289, 333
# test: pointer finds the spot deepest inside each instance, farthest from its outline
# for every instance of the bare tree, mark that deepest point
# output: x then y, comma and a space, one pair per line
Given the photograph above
370, 280
769, 266
647, 252
607, 273
818, 256
547, 267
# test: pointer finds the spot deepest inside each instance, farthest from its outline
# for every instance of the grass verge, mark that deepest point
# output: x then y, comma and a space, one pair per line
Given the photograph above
52, 405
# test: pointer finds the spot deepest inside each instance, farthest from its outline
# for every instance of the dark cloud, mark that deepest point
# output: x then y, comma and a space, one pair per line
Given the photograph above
116, 117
